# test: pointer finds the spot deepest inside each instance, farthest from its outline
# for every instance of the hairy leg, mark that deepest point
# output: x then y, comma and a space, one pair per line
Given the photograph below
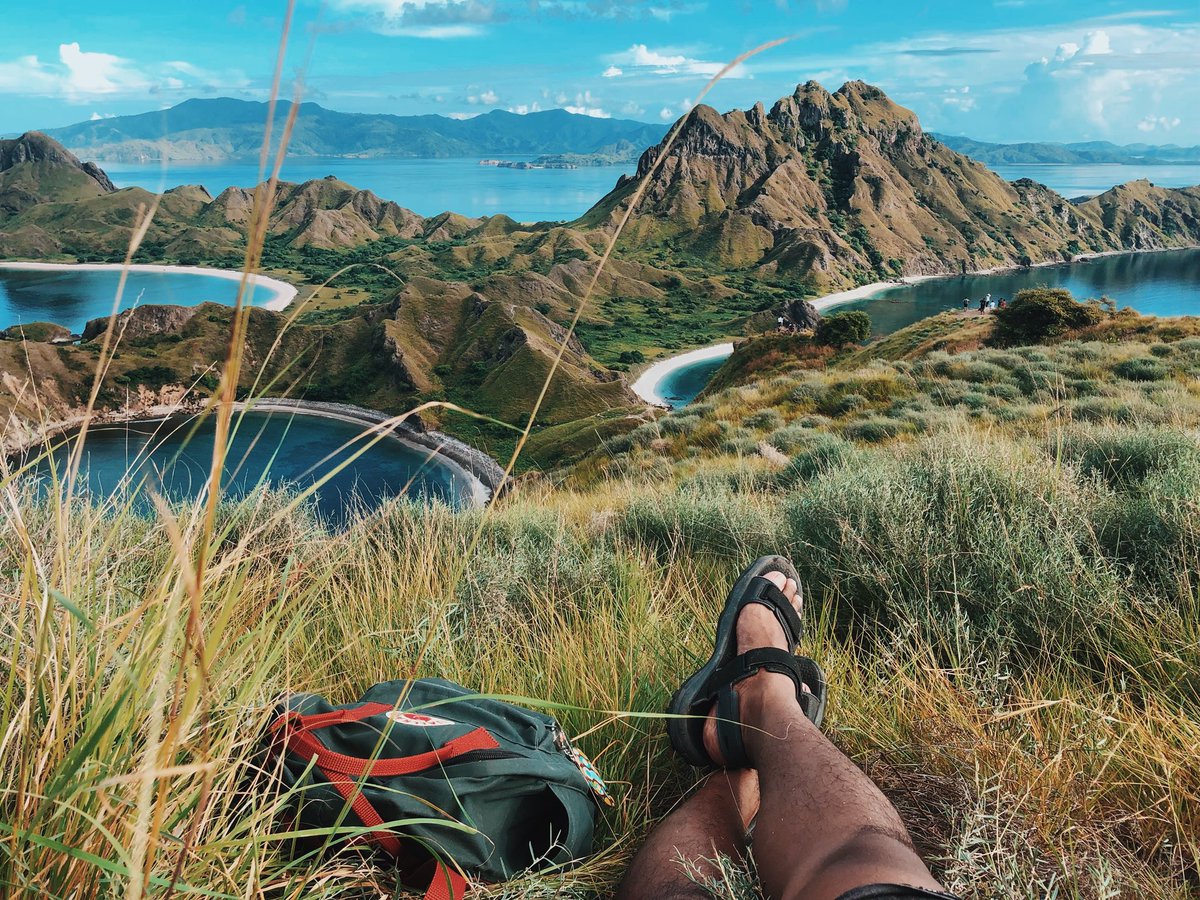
710, 823
823, 827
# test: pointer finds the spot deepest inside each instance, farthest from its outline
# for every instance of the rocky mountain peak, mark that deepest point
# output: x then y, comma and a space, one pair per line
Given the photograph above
34, 147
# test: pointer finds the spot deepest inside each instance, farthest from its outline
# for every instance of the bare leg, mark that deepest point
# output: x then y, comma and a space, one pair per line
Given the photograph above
710, 823
823, 827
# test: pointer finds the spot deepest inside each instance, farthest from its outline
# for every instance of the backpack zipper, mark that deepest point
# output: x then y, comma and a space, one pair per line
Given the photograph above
481, 756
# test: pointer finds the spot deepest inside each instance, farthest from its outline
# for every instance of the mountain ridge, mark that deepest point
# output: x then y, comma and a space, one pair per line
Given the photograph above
1075, 152
227, 129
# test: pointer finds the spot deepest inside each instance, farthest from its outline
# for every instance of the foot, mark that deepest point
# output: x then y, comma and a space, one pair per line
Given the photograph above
757, 627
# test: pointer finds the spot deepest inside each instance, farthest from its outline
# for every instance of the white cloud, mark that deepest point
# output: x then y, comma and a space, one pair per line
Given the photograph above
431, 32
486, 98
611, 72
631, 108
642, 60
463, 115
523, 109
90, 73
587, 105
666, 114
1151, 123
81, 74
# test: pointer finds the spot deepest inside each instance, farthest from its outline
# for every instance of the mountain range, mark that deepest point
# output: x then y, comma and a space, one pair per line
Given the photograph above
1080, 153
228, 129
746, 212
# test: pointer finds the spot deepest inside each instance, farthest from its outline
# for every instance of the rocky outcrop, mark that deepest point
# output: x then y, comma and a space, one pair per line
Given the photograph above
35, 147
142, 322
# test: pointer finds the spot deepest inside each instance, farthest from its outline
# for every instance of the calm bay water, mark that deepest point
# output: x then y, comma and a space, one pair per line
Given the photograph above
173, 456
1088, 180
681, 386
1157, 284
70, 297
431, 186
426, 186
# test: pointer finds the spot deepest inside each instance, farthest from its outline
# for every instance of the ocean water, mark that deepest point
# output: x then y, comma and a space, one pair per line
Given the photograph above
173, 457
1089, 180
1157, 284
431, 186
426, 186
682, 386
70, 297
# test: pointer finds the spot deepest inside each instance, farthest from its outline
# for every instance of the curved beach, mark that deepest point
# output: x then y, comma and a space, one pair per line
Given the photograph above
649, 382
283, 292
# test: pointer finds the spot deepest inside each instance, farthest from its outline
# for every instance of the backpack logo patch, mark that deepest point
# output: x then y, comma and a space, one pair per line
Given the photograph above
419, 720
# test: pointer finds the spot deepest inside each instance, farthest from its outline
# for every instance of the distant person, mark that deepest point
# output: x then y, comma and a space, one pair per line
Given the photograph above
966, 302
1003, 303
988, 298
752, 713
983, 305
991, 304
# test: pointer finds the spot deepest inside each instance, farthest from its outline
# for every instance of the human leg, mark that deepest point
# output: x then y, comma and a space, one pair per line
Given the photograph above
681, 849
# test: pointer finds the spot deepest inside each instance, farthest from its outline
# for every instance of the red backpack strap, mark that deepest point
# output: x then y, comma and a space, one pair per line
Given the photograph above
447, 884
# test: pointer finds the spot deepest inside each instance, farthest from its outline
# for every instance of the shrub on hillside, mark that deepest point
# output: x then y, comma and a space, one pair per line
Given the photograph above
704, 520
1124, 458
843, 328
1141, 368
1037, 314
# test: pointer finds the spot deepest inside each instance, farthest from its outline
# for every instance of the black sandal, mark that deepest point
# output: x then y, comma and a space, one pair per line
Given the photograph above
714, 681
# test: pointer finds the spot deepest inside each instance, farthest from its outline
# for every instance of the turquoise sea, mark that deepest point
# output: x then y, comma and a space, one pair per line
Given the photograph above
431, 186
173, 457
70, 297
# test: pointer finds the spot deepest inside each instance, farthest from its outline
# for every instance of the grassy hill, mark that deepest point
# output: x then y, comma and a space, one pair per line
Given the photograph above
998, 547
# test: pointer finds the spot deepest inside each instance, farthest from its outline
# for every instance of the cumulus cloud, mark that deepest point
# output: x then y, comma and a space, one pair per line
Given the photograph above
587, 105
1153, 123
611, 72
80, 74
666, 114
484, 98
640, 59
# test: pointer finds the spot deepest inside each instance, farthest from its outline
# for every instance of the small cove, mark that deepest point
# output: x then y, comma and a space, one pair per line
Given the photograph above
71, 295
277, 449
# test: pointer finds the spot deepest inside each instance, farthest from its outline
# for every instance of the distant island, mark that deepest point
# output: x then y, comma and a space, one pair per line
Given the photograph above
1079, 153
226, 129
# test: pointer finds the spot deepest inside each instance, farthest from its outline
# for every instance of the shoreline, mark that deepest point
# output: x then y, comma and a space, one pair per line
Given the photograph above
283, 293
649, 381
477, 475
867, 291
646, 385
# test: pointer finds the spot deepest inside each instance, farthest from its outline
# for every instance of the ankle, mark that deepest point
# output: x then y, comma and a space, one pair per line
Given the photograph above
768, 710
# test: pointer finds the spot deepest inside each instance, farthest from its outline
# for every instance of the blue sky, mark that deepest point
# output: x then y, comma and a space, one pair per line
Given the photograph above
1001, 70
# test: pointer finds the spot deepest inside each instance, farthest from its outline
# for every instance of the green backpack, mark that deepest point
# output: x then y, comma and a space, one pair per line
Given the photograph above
447, 784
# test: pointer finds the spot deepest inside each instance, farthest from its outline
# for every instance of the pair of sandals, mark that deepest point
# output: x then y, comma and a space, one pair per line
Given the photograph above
714, 681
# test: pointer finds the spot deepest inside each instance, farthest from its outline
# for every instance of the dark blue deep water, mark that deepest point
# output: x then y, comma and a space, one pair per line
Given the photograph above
1157, 284
70, 297
173, 456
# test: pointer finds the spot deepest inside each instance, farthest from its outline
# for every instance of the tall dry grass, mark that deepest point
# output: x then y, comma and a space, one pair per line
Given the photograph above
144, 653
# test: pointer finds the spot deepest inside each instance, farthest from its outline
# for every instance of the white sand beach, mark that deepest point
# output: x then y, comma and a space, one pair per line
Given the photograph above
283, 292
647, 384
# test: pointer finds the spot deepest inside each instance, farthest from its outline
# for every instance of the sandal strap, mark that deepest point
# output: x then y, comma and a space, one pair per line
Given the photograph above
751, 662
762, 590
729, 729
803, 671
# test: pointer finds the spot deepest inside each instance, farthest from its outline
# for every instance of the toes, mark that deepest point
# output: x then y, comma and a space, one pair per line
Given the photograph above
790, 588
